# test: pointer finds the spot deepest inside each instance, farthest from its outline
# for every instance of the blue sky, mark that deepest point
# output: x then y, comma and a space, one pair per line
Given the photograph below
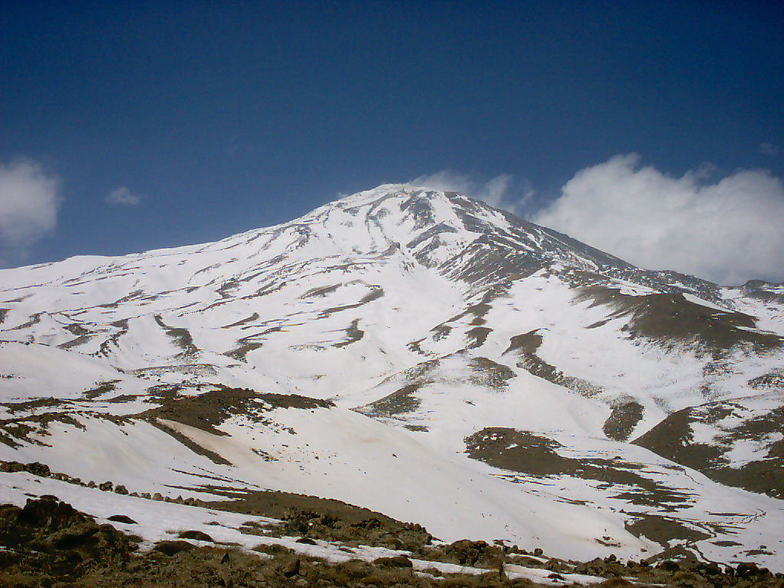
205, 118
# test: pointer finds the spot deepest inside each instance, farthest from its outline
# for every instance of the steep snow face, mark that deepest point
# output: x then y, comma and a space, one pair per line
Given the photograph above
361, 277
367, 276
470, 356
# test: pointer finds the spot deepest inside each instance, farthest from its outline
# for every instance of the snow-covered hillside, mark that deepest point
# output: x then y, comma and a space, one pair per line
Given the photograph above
460, 367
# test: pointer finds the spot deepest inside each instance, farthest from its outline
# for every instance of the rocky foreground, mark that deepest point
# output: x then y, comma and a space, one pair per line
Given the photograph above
47, 542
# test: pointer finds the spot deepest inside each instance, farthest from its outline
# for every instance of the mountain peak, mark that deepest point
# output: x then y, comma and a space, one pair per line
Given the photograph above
384, 191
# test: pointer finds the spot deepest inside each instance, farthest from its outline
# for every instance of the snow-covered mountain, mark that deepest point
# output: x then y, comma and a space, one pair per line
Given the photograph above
460, 367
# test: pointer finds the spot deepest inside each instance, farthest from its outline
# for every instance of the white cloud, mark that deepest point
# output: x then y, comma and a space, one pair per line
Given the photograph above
728, 231
445, 180
502, 191
123, 196
28, 204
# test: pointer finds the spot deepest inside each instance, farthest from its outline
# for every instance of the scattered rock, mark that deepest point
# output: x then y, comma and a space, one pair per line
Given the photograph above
56, 538
398, 561
196, 535
616, 583
122, 519
35, 468
173, 547
669, 565
12, 467
48, 543
306, 541
747, 570
470, 553
292, 569
38, 469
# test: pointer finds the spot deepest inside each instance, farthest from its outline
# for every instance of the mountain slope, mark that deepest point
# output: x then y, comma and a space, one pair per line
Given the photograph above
473, 372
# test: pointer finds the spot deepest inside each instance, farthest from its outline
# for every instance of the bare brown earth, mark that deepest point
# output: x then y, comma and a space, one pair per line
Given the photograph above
525, 346
484, 372
670, 319
15, 429
324, 518
208, 410
527, 453
399, 402
759, 290
489, 373
773, 380
662, 529
28, 405
673, 439
622, 420
181, 337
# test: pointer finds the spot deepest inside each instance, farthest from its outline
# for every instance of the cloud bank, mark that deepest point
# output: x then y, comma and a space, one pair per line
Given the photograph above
28, 205
728, 231
123, 196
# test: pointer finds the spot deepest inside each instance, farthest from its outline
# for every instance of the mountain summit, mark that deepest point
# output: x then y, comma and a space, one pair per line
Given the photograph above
421, 354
